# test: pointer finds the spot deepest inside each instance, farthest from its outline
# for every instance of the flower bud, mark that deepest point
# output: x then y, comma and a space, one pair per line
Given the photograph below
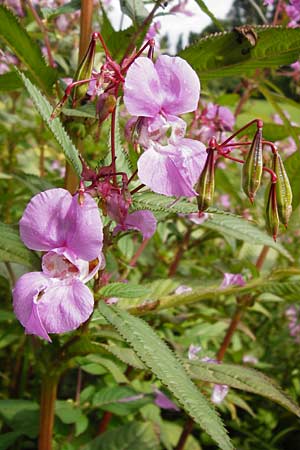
272, 218
284, 194
206, 183
253, 167
84, 72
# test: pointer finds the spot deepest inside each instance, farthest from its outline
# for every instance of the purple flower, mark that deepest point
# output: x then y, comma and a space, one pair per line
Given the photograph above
219, 393
170, 87
268, 2
163, 401
142, 221
182, 289
293, 11
193, 350
56, 300
213, 119
181, 8
232, 279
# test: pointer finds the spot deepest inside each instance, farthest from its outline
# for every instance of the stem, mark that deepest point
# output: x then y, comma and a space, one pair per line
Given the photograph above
104, 422
188, 427
242, 101
276, 15
258, 122
227, 338
47, 408
44, 32
139, 252
113, 144
262, 257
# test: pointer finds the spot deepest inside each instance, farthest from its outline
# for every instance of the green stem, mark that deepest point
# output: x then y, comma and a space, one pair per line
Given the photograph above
47, 409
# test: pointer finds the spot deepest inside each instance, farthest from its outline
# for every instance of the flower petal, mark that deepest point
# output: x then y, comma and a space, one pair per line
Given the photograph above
65, 306
25, 301
142, 79
172, 170
43, 225
84, 236
143, 221
180, 85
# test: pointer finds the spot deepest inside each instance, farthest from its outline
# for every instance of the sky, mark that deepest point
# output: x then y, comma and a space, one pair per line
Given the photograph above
178, 24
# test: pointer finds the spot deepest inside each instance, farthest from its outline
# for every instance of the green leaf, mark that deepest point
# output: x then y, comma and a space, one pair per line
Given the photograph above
243, 230
163, 363
125, 290
230, 54
26, 49
207, 11
45, 110
243, 378
7, 439
116, 41
274, 132
10, 81
51, 13
120, 400
34, 183
126, 355
292, 167
134, 9
132, 436
109, 365
13, 250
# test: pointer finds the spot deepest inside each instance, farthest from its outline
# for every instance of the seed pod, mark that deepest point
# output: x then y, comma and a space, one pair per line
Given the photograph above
253, 167
206, 183
84, 72
272, 218
284, 193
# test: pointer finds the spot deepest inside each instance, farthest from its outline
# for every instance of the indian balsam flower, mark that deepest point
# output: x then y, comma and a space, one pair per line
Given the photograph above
169, 165
56, 300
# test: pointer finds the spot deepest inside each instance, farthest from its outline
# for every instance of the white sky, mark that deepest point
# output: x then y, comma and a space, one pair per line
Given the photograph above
178, 24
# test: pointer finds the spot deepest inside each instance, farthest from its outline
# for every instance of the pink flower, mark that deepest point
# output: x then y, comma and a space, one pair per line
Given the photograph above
213, 119
181, 8
232, 279
219, 393
293, 11
170, 87
268, 2
56, 300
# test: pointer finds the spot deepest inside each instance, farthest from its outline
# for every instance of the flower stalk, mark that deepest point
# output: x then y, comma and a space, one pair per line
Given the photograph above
47, 410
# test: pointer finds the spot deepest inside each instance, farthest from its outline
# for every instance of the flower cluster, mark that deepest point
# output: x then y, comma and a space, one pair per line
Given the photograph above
56, 300
212, 120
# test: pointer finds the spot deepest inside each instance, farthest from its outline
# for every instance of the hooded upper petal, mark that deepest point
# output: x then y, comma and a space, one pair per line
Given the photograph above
143, 221
179, 83
55, 219
43, 225
142, 89
172, 170
84, 234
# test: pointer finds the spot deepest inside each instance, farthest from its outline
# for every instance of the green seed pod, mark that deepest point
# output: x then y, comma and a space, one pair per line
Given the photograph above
253, 167
284, 193
84, 72
206, 183
272, 218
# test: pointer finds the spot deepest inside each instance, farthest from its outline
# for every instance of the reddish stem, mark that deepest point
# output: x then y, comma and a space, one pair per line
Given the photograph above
180, 251
139, 252
137, 189
104, 422
47, 408
258, 122
113, 144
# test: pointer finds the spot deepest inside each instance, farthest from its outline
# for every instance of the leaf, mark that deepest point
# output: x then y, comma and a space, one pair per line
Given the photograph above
26, 49
157, 202
229, 54
109, 365
51, 13
120, 400
132, 436
274, 132
163, 363
58, 131
125, 290
116, 41
126, 355
243, 230
292, 167
34, 183
207, 11
10, 81
134, 9
7, 439
244, 378
13, 250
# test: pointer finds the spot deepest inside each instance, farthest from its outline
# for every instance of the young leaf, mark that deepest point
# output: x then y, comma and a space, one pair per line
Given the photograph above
163, 363
26, 49
244, 378
231, 54
13, 250
58, 131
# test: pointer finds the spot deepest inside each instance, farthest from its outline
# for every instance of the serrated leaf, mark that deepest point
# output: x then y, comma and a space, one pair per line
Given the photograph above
132, 436
231, 54
126, 355
108, 364
26, 49
208, 12
160, 359
34, 183
58, 131
125, 290
241, 229
244, 378
13, 250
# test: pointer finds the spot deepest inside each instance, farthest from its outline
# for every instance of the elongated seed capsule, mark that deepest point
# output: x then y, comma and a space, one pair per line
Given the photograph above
272, 218
253, 167
206, 183
84, 72
284, 193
